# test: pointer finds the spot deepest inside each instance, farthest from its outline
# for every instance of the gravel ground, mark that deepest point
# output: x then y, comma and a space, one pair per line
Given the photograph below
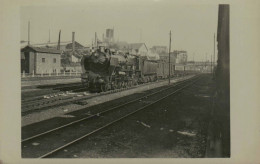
62, 110
175, 128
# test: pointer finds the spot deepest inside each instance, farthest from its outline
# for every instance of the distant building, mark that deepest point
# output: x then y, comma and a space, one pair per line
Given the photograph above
139, 49
108, 38
40, 60
165, 57
75, 58
181, 57
110, 35
159, 49
64, 46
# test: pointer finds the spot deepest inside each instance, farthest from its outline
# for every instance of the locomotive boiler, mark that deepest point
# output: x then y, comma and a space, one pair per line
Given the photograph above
104, 70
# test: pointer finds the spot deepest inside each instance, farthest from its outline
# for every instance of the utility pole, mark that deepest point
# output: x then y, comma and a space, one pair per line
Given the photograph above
170, 57
214, 51
58, 47
140, 35
49, 36
211, 63
29, 33
96, 40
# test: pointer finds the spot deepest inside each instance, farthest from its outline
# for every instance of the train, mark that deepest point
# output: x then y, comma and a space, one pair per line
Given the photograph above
104, 70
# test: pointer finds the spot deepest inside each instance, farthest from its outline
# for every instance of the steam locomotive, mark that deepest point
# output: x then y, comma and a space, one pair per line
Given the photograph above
105, 70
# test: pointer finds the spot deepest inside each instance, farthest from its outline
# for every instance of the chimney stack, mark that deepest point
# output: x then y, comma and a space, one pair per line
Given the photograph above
73, 42
58, 47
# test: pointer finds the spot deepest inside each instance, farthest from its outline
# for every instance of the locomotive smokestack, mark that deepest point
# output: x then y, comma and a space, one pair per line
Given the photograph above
73, 42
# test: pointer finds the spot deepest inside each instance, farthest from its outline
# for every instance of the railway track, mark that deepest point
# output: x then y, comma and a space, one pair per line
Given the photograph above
46, 144
73, 87
37, 105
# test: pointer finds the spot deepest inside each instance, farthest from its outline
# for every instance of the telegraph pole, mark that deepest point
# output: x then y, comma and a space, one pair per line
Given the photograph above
214, 51
49, 36
29, 33
96, 39
170, 57
211, 63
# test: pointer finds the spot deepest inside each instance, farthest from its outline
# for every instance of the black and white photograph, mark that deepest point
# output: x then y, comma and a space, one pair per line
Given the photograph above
149, 79
103, 82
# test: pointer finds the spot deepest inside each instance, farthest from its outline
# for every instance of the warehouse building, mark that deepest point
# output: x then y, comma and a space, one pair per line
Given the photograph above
40, 60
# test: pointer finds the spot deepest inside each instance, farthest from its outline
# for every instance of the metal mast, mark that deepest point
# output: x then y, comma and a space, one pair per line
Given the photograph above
29, 33
214, 51
49, 36
58, 47
170, 57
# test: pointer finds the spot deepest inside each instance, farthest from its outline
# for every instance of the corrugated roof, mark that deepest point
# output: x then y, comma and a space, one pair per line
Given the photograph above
42, 49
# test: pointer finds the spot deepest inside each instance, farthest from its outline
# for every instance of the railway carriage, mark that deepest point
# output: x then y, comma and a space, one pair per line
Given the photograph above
163, 69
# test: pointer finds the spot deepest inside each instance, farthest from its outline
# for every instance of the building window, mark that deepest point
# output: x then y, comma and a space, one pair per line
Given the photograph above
54, 60
43, 60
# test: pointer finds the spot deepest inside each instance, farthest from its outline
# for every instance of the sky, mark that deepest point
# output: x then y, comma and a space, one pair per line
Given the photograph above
149, 22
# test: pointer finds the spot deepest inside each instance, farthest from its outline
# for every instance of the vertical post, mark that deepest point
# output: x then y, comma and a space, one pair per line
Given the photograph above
23, 73
96, 40
64, 72
211, 63
58, 47
70, 72
33, 73
29, 33
214, 51
49, 36
170, 58
73, 43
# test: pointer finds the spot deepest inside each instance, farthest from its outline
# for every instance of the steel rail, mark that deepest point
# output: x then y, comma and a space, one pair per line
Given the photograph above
40, 97
117, 120
64, 101
105, 111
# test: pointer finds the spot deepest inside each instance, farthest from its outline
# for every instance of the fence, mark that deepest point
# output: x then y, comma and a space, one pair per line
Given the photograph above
51, 74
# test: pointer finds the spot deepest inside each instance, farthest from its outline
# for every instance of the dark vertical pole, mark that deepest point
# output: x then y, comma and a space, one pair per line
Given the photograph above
211, 63
170, 57
49, 36
214, 51
96, 40
58, 47
29, 33
73, 42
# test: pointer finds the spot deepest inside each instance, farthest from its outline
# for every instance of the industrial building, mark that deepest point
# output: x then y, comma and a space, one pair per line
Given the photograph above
36, 60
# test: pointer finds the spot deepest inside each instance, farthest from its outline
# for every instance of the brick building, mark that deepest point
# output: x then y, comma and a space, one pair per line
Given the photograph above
40, 60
